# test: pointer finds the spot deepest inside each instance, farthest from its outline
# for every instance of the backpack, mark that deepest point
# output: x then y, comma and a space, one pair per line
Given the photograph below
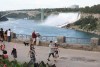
5, 56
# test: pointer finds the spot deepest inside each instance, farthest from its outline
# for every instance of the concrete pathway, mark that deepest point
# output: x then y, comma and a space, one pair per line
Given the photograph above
68, 57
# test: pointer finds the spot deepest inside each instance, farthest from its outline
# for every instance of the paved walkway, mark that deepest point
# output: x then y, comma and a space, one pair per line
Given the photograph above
68, 57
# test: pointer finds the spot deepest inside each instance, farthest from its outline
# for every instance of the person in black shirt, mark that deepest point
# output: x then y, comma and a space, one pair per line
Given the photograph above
14, 53
1, 34
5, 35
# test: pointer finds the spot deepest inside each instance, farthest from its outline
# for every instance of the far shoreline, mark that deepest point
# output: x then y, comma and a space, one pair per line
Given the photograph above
91, 32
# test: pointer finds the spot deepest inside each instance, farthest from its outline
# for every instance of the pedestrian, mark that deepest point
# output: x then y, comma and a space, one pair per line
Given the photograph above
5, 35
51, 52
56, 50
34, 38
1, 34
2, 47
5, 55
9, 35
14, 53
37, 39
32, 55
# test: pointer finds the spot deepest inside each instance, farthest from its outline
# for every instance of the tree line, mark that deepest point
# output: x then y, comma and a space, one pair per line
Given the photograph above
93, 9
88, 23
87, 9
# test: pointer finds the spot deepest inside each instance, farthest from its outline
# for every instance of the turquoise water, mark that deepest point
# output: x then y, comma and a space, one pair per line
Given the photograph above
49, 27
21, 26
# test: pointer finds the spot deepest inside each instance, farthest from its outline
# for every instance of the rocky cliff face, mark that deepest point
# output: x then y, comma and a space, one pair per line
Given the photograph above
83, 15
86, 15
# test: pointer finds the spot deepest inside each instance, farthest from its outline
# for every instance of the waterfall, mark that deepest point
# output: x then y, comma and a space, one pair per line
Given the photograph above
61, 19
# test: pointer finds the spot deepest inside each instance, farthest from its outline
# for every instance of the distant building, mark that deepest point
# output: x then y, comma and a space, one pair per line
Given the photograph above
74, 6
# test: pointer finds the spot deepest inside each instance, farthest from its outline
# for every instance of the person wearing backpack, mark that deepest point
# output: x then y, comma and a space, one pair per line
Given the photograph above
5, 55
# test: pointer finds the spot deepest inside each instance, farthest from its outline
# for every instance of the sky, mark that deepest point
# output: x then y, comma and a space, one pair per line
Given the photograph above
32, 4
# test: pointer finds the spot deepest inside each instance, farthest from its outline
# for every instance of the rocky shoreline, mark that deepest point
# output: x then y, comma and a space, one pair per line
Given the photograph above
78, 29
92, 32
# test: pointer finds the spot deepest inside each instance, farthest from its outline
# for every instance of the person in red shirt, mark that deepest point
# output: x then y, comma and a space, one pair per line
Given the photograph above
5, 55
34, 37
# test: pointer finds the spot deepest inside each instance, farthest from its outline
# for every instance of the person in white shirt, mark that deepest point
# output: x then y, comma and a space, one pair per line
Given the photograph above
52, 50
9, 35
37, 39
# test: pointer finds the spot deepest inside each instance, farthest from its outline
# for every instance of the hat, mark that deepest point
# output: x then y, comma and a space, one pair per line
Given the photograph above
15, 46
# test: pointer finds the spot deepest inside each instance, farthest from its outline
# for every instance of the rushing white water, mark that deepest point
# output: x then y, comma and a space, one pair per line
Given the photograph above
61, 19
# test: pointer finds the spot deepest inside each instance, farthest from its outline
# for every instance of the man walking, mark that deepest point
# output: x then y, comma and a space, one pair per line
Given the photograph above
34, 37
52, 50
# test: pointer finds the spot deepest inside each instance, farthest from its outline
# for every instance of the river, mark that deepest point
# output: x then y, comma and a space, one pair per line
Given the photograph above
46, 28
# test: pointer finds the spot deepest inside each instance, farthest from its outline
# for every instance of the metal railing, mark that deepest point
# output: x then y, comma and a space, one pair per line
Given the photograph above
23, 37
68, 40
74, 40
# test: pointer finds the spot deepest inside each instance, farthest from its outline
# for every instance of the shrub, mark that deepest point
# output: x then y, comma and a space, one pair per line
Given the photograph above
17, 64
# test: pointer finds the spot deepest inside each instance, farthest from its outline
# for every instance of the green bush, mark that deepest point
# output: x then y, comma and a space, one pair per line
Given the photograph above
88, 23
17, 64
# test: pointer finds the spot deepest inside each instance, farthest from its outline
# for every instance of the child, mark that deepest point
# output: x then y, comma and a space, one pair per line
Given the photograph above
2, 47
5, 55
56, 50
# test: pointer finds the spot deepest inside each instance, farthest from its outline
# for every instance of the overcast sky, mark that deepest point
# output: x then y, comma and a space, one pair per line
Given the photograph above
32, 4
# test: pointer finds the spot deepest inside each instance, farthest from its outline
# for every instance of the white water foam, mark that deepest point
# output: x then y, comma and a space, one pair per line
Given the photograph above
61, 19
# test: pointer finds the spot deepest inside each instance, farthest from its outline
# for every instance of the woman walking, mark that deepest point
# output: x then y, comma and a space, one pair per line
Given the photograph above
14, 53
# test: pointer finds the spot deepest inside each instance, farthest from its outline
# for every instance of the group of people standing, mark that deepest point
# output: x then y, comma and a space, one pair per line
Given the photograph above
53, 47
13, 53
5, 35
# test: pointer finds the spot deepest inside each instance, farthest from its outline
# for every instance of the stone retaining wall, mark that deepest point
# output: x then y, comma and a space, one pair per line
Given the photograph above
70, 46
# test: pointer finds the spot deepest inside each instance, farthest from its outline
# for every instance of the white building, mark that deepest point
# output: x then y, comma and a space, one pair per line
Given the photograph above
74, 6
